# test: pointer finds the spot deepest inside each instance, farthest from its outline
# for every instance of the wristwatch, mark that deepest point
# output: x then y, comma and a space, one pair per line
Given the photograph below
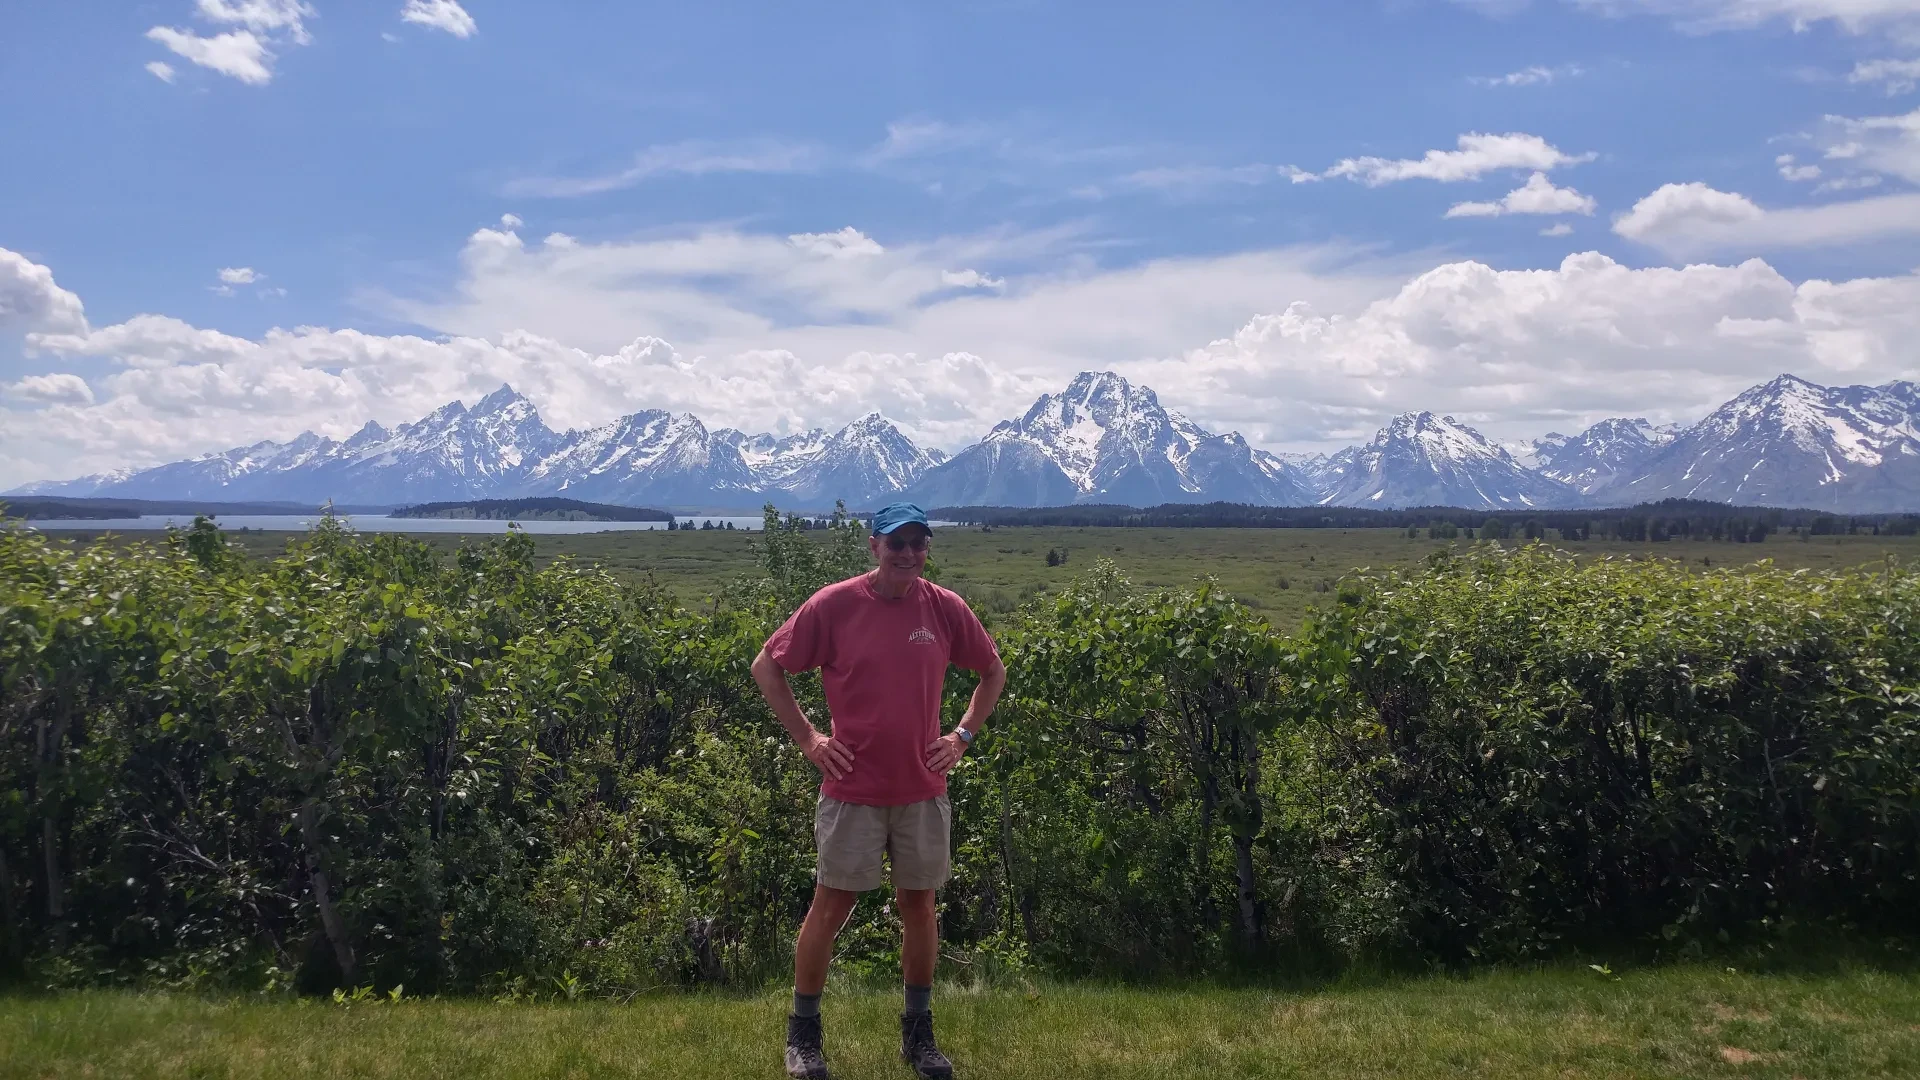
965, 735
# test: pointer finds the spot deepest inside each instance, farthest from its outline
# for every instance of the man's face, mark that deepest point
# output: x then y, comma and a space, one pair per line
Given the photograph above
902, 553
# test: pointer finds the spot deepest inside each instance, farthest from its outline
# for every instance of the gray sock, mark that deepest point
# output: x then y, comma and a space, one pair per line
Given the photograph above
806, 1004
919, 998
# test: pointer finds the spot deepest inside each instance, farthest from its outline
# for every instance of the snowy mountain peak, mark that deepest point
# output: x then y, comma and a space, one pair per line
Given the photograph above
504, 398
1440, 437
369, 434
1601, 455
452, 410
872, 425
1105, 439
1792, 442
1419, 459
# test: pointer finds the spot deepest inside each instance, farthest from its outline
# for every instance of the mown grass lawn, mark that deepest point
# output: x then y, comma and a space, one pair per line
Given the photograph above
1688, 1021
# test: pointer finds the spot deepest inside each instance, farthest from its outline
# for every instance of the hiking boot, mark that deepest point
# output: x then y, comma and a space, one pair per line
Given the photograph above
918, 1050
805, 1059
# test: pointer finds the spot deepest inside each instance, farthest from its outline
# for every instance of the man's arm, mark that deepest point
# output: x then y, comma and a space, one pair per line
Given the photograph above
833, 759
943, 753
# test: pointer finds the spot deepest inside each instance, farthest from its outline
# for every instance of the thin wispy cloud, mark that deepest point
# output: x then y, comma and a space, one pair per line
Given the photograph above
1900, 18
694, 157
445, 15
1193, 179
1535, 75
914, 138
1896, 77
950, 157
1793, 171
1476, 155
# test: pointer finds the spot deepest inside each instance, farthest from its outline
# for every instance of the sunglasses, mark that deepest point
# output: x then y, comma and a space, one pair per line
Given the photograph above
896, 542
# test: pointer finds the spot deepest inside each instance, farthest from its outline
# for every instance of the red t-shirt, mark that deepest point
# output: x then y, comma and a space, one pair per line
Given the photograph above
884, 664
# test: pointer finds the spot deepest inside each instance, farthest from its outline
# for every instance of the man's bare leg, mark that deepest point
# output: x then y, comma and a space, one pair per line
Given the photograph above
920, 937
806, 1056
814, 951
919, 948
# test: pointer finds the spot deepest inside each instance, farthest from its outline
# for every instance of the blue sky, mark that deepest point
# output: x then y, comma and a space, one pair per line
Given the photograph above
778, 216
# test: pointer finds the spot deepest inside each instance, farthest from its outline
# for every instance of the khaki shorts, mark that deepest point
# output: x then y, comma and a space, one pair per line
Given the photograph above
915, 838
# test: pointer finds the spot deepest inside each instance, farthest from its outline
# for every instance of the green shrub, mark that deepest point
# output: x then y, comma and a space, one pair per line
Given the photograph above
1509, 751
359, 764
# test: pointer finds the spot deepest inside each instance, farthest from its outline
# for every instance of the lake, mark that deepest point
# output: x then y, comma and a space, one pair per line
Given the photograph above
370, 523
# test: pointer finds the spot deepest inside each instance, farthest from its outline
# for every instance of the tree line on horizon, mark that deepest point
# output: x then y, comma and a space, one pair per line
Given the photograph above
1667, 519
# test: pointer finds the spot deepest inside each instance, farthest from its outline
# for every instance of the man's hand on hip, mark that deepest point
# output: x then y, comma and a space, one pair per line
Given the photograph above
833, 759
943, 753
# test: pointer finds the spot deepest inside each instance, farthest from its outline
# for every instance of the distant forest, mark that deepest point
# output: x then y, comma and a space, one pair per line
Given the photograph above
543, 509
65, 508
1665, 520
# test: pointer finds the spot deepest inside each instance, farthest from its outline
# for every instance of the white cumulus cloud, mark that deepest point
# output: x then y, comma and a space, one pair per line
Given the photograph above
445, 15
237, 53
1693, 218
1293, 347
161, 70
58, 388
1681, 207
262, 16
847, 243
1557, 229
1537, 196
1477, 155
1520, 351
232, 276
31, 300
242, 54
510, 221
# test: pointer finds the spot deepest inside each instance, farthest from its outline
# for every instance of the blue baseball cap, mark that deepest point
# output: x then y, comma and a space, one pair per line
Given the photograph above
892, 517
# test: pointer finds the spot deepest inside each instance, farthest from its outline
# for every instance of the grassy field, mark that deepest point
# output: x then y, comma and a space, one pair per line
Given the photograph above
1281, 571
1689, 1021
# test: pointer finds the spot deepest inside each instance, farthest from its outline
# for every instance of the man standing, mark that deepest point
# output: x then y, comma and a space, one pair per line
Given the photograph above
883, 641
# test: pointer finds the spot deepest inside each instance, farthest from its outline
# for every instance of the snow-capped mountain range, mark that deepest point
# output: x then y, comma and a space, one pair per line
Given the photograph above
1788, 442
1106, 440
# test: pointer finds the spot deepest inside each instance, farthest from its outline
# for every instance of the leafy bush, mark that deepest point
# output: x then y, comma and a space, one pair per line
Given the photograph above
1507, 751
359, 764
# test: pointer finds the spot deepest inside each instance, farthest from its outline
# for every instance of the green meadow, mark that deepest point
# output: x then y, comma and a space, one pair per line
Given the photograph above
1282, 572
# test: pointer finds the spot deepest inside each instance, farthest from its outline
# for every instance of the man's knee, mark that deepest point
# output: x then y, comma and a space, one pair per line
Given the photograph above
832, 905
914, 901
